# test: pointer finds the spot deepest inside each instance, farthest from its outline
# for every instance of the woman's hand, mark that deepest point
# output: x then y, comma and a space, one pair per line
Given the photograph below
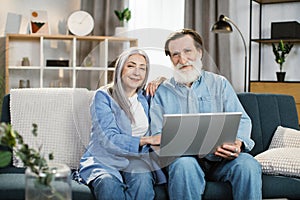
153, 85
229, 151
152, 140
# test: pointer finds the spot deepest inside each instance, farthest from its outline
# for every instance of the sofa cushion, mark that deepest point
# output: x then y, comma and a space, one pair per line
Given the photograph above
63, 120
275, 187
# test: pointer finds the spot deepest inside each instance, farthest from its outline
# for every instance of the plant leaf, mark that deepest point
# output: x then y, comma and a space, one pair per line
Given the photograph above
119, 15
5, 158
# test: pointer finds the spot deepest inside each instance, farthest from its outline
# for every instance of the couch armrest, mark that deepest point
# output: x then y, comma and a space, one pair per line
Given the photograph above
5, 115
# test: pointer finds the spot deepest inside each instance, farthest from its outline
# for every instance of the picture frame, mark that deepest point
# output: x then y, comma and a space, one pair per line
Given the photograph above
39, 22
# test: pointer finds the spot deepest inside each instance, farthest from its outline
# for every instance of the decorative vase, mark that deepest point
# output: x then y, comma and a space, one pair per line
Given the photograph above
25, 61
121, 31
280, 76
57, 186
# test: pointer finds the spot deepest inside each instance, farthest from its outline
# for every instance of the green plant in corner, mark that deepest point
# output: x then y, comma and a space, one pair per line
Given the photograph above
32, 158
280, 52
123, 15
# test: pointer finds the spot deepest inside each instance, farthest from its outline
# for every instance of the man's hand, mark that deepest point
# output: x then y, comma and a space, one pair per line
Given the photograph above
229, 151
152, 140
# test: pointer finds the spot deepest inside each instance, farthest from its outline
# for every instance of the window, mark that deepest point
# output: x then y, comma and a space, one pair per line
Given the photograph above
164, 14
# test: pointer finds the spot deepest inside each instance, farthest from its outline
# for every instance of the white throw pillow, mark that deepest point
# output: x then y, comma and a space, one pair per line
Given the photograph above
63, 119
280, 161
283, 155
285, 138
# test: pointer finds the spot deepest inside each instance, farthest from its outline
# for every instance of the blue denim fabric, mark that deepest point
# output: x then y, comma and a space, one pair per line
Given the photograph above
186, 177
138, 184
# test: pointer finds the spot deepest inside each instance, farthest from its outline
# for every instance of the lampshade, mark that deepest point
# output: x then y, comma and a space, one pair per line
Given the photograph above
221, 26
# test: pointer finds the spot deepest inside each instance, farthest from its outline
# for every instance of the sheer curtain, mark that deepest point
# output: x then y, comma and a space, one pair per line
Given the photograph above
200, 16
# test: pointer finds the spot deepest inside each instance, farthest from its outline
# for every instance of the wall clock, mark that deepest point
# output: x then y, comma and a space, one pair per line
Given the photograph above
80, 23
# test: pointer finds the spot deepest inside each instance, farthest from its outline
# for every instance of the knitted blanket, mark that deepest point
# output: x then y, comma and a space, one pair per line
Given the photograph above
63, 120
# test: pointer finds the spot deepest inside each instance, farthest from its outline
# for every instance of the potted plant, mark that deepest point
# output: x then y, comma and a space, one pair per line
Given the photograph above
43, 180
123, 16
281, 51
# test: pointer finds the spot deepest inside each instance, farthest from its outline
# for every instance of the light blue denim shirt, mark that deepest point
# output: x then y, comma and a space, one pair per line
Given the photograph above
111, 142
209, 93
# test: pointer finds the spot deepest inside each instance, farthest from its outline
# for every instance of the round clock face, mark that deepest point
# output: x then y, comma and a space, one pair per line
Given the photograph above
80, 23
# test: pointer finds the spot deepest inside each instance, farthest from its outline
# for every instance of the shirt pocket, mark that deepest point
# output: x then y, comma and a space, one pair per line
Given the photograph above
204, 103
210, 103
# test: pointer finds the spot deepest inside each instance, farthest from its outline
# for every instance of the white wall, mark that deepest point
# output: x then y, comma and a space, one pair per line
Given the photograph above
58, 11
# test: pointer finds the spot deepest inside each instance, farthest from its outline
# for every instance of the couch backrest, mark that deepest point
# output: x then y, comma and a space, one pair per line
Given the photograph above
267, 111
62, 116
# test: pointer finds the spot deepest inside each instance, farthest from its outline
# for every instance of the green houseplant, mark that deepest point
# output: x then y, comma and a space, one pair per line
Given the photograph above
281, 51
123, 15
40, 176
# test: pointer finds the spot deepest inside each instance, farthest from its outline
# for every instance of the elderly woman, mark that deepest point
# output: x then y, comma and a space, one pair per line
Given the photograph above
117, 163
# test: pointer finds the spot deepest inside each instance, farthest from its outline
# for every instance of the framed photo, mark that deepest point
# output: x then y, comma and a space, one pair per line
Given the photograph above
39, 22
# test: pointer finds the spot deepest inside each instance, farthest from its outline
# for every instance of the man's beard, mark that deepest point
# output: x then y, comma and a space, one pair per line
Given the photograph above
189, 76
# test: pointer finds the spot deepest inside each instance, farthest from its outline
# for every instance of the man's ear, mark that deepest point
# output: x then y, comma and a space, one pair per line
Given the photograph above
200, 53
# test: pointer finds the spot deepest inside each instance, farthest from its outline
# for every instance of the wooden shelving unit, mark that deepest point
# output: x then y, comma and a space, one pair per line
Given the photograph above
261, 41
40, 48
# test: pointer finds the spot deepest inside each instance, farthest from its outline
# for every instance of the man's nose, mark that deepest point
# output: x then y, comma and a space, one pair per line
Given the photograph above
183, 59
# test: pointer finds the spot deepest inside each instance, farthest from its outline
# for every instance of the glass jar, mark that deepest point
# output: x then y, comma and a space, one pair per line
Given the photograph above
25, 61
57, 186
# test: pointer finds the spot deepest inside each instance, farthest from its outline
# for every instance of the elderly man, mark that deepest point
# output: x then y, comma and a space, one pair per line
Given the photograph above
194, 90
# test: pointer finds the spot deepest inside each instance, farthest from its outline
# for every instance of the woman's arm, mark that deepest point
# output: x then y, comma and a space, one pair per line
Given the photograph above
111, 127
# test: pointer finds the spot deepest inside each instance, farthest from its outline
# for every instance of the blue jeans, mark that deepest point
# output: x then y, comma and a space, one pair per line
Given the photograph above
186, 177
138, 184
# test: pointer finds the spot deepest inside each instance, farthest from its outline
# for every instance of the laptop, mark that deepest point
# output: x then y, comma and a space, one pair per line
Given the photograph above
197, 134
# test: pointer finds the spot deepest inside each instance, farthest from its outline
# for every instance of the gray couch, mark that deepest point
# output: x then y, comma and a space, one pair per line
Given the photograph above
267, 111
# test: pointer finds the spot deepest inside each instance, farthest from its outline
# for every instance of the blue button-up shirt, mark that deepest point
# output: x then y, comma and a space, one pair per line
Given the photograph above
112, 144
209, 93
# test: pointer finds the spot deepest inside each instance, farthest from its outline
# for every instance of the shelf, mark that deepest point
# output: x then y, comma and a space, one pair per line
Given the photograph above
275, 1
275, 82
40, 48
133, 41
24, 67
275, 40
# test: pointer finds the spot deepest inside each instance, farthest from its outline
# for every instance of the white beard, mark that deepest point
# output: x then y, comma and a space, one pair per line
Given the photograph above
189, 76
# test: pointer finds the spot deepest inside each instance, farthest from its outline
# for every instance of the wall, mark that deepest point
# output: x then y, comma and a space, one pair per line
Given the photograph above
58, 11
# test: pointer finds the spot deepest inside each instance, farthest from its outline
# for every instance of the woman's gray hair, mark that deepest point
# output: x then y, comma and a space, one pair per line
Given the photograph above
117, 89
